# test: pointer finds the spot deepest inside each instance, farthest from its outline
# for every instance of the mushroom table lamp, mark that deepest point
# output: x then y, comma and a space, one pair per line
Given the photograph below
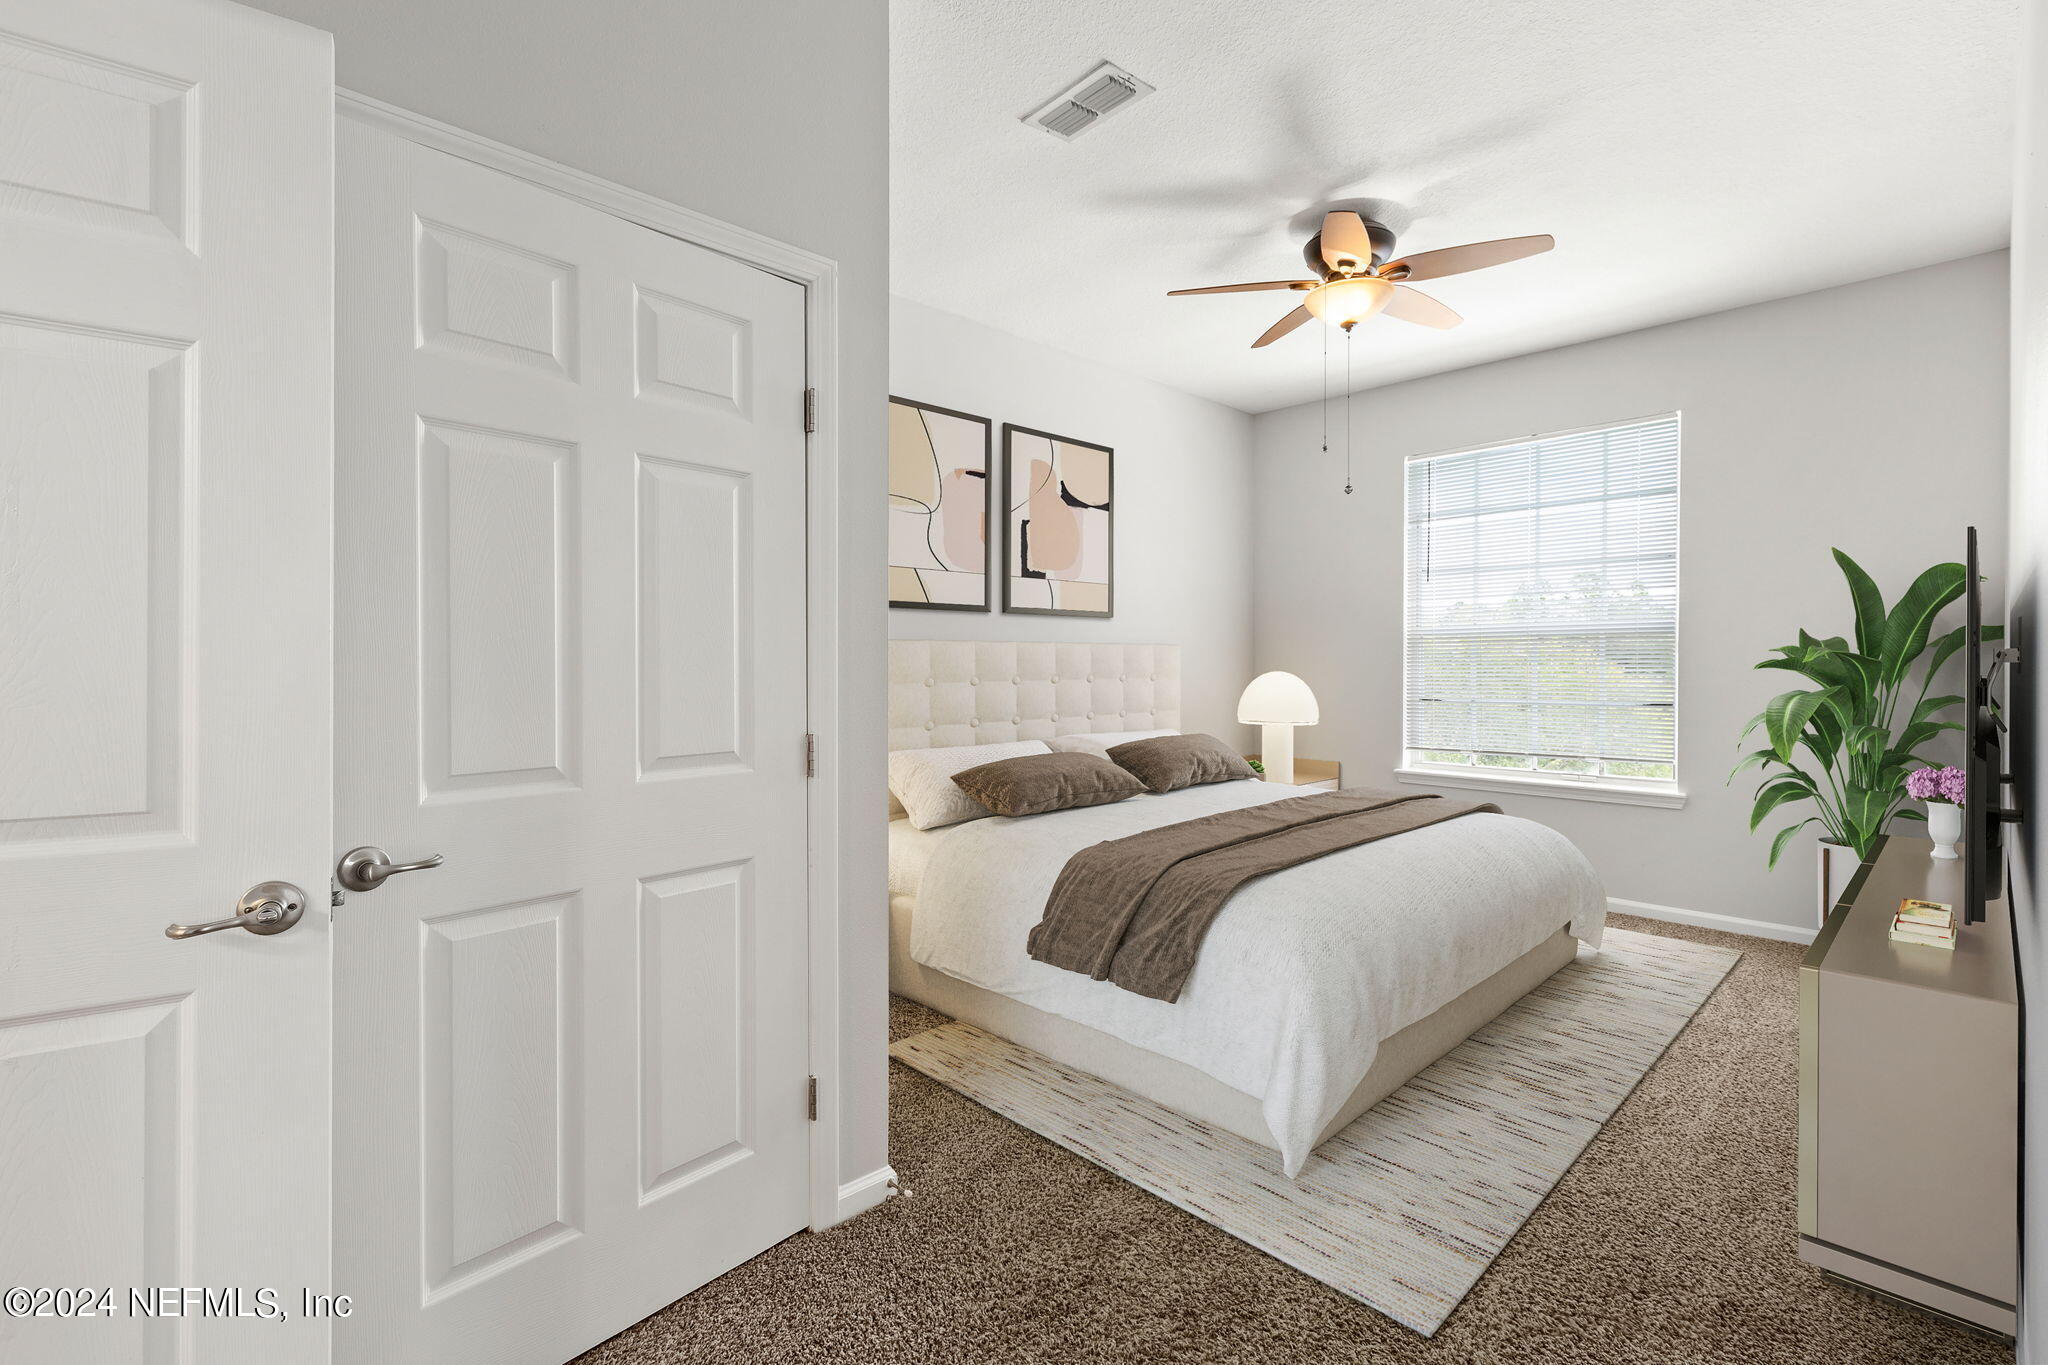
1279, 702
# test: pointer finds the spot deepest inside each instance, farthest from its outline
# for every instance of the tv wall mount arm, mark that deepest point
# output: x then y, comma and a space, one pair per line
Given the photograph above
2009, 654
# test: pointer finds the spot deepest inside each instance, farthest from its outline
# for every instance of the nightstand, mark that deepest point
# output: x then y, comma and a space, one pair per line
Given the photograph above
1314, 774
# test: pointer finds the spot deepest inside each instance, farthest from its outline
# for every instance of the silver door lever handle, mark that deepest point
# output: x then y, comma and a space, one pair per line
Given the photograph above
366, 868
265, 908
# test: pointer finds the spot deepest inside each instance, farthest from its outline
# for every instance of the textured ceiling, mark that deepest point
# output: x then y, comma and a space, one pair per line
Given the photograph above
1689, 157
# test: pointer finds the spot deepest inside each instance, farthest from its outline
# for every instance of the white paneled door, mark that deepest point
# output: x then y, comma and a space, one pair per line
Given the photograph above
166, 438
571, 662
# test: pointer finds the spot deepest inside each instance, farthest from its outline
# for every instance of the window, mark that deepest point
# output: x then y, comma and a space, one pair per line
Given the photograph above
1542, 609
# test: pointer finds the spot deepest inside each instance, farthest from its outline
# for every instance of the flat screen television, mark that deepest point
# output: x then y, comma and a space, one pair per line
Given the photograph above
1985, 741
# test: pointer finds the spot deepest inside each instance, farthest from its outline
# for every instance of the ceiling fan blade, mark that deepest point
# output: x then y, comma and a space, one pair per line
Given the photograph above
1456, 260
1281, 328
1412, 305
1244, 288
1346, 246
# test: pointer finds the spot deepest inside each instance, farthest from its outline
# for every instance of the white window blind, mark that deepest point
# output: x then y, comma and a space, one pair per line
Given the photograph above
1542, 605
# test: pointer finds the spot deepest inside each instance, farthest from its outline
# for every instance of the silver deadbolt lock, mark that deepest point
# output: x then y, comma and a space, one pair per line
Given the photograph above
366, 868
265, 908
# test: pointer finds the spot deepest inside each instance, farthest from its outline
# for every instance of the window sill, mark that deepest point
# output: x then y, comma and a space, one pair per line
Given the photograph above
1665, 795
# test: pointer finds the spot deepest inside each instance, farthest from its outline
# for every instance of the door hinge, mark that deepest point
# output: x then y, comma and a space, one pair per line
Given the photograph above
810, 755
814, 1099
810, 411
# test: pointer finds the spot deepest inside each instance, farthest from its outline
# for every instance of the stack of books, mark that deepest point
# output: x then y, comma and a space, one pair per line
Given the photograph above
1925, 922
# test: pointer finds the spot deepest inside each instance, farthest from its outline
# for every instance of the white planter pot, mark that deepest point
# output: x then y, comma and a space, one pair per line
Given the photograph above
1838, 863
1944, 826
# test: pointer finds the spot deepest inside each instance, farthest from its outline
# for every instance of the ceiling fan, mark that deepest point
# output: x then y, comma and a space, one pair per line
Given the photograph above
1355, 279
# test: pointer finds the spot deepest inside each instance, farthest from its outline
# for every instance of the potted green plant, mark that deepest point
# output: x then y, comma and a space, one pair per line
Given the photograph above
1844, 747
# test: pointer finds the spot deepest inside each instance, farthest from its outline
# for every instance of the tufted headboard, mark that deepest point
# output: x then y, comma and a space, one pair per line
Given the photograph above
948, 692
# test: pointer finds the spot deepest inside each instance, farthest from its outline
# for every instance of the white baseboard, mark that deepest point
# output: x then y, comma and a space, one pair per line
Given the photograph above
1731, 924
858, 1196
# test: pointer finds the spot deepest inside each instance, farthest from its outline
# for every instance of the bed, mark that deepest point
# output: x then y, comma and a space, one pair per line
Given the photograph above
1319, 990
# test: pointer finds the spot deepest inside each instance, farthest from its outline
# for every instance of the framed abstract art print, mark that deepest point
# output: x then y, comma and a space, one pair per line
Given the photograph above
1059, 522
938, 508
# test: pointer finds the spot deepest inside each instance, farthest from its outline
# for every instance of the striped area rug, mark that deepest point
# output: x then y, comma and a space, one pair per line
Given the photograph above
1405, 1209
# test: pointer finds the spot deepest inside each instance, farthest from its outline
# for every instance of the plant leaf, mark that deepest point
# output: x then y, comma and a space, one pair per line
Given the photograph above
1785, 837
1773, 796
1870, 614
1926, 709
1849, 678
1827, 669
1864, 670
1917, 734
1905, 630
1751, 759
1866, 742
1826, 724
1867, 809
1785, 720
1940, 649
1789, 775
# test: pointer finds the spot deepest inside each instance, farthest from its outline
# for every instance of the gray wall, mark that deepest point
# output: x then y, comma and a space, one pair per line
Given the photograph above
1871, 417
770, 116
2025, 579
1183, 482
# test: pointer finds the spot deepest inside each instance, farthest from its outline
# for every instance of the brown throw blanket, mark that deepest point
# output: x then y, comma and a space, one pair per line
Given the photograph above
1134, 911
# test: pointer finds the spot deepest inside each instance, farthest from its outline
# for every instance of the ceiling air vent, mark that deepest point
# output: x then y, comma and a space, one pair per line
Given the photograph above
1080, 106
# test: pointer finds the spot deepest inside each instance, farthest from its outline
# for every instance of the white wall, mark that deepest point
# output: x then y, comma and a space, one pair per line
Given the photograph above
2027, 574
1183, 484
772, 117
1870, 417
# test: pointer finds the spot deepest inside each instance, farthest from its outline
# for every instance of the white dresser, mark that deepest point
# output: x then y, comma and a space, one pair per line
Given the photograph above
1909, 1097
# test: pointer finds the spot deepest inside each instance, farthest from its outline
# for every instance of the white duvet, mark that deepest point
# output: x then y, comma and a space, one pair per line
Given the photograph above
1304, 971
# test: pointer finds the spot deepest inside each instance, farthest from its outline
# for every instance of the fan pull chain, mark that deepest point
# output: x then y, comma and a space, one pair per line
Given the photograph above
1326, 390
1347, 411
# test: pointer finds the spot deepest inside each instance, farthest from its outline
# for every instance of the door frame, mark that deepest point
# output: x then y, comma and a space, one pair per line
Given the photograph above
829, 1202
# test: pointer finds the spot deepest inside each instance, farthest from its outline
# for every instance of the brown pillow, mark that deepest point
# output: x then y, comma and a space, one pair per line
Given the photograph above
1037, 783
1175, 761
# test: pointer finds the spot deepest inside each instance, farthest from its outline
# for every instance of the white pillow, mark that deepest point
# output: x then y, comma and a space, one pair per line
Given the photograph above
922, 779
1102, 744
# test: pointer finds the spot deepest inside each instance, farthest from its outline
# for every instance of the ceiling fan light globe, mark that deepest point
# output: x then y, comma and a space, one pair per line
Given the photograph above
1342, 302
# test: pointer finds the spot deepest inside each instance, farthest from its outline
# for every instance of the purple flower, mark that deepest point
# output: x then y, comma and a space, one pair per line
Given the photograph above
1947, 785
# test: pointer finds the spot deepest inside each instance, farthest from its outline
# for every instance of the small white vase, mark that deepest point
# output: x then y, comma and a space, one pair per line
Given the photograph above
1944, 826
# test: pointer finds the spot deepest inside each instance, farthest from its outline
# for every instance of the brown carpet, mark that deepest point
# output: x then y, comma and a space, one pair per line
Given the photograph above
1669, 1243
